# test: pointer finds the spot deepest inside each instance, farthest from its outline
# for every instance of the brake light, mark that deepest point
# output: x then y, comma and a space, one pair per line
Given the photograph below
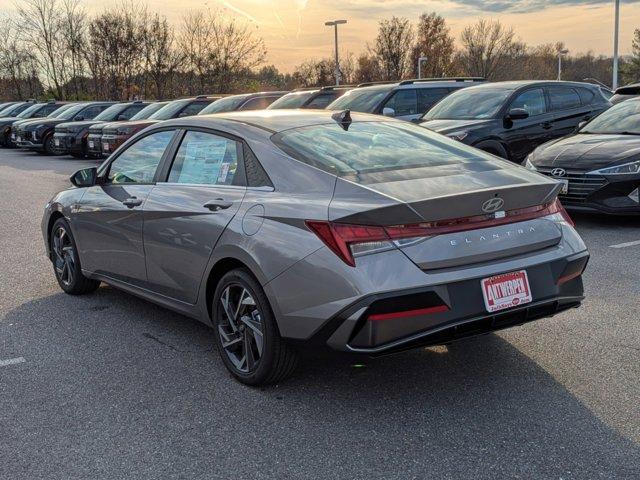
345, 240
409, 313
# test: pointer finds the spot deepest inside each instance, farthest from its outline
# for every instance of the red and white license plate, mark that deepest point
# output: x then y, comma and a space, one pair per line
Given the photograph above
506, 291
105, 147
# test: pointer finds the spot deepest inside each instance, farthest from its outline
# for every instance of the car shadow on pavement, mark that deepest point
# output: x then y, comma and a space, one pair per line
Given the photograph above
111, 376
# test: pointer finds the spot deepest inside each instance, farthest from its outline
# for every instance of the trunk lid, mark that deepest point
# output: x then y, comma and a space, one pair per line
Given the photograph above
449, 192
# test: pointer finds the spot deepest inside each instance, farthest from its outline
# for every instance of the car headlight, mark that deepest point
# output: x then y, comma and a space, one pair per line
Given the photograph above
625, 169
530, 165
459, 135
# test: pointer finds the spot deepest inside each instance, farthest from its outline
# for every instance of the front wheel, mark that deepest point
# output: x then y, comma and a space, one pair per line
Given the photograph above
66, 263
246, 333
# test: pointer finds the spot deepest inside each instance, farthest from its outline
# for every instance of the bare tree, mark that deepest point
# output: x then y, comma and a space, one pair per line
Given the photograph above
434, 42
162, 58
485, 46
41, 31
631, 69
393, 47
196, 43
73, 30
367, 69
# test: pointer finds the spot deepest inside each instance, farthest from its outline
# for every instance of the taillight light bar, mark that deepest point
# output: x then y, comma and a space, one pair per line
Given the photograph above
409, 313
339, 237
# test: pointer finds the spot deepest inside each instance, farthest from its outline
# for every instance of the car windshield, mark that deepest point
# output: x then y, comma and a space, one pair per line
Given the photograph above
227, 104
60, 110
149, 110
368, 148
360, 100
621, 118
8, 112
112, 112
31, 110
170, 110
72, 112
469, 103
292, 100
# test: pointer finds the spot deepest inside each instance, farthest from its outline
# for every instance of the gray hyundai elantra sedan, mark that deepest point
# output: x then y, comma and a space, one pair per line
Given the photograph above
284, 229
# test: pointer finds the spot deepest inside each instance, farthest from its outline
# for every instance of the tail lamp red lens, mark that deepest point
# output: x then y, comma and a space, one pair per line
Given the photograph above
339, 237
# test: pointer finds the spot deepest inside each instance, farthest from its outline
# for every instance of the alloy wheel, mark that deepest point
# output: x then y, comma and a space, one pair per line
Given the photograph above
64, 256
240, 328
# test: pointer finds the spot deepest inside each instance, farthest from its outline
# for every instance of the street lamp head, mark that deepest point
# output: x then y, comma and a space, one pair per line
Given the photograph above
563, 52
335, 22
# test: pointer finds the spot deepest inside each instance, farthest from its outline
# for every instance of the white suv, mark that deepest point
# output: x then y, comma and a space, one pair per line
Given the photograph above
406, 100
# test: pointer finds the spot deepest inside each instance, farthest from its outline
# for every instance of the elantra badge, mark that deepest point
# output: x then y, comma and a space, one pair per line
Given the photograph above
558, 172
493, 205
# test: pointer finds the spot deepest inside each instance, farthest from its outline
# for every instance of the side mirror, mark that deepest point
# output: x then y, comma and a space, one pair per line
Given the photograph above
122, 117
85, 178
388, 112
517, 114
580, 125
78, 118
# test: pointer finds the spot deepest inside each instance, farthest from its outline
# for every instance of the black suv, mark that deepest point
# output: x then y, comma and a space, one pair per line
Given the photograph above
313, 97
71, 137
36, 110
38, 136
15, 108
510, 119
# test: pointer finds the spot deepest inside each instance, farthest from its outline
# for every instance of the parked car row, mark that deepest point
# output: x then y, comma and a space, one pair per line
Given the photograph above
506, 119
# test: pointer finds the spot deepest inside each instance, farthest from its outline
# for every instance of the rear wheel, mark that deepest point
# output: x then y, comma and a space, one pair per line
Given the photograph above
66, 263
246, 333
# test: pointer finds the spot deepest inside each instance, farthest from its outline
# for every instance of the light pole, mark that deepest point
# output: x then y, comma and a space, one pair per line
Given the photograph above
561, 54
616, 30
420, 60
335, 24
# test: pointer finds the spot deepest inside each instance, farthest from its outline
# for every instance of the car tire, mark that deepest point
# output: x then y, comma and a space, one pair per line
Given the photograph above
48, 146
66, 262
246, 333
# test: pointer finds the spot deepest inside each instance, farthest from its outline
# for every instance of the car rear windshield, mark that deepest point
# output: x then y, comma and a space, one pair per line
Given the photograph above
469, 103
369, 147
364, 100
292, 100
623, 118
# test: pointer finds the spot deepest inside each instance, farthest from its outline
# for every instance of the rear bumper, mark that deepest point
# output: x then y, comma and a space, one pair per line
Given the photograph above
351, 330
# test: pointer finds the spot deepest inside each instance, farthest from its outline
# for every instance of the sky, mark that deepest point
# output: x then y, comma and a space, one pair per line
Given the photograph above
294, 30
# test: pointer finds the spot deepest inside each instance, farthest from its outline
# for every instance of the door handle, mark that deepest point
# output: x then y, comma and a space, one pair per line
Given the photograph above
132, 202
217, 204
546, 125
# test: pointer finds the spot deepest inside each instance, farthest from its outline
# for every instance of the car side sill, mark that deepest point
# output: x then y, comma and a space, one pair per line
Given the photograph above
177, 306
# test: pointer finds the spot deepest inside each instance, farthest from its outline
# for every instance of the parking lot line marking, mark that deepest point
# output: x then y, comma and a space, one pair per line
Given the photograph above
11, 361
625, 245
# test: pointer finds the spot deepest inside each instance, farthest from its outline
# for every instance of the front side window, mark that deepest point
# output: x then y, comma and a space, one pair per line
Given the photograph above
403, 102
205, 159
292, 100
321, 101
226, 104
368, 149
259, 103
563, 98
131, 111
364, 100
90, 113
532, 101
139, 162
470, 103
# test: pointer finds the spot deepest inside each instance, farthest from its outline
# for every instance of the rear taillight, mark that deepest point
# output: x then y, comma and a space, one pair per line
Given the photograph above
347, 240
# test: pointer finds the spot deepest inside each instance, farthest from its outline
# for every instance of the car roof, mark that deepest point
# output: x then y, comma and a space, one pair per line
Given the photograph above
517, 84
271, 120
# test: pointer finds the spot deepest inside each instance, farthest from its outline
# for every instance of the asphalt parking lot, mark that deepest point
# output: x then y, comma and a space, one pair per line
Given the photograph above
110, 386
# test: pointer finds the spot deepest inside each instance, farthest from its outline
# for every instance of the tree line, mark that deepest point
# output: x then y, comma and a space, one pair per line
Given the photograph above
55, 49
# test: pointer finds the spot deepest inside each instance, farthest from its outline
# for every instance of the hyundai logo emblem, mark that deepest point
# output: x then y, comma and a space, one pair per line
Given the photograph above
493, 205
558, 172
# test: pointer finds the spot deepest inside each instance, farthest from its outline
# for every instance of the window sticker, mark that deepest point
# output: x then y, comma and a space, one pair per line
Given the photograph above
202, 162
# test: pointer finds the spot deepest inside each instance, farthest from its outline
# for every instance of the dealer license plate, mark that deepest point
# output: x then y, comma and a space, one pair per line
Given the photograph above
506, 291
56, 142
91, 144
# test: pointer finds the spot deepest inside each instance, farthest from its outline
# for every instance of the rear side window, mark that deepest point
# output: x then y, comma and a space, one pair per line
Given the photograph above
205, 159
404, 102
193, 109
532, 101
587, 96
428, 97
139, 162
563, 98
